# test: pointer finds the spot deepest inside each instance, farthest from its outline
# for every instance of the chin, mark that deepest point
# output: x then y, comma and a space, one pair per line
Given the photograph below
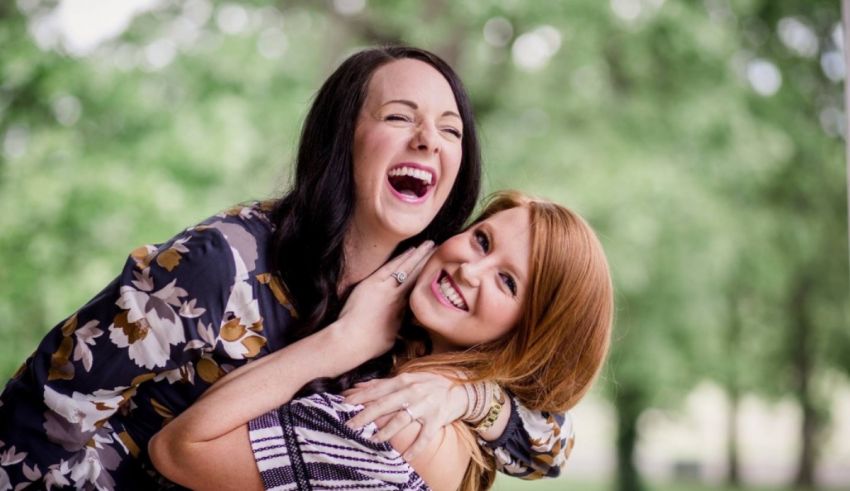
407, 227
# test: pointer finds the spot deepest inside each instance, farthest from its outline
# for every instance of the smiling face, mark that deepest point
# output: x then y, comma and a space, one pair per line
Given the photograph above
472, 289
407, 150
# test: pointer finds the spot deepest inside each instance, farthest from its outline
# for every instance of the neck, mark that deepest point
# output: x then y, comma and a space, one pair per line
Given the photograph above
439, 345
363, 255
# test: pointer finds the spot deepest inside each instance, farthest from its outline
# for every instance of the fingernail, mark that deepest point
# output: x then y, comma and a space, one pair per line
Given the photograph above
408, 456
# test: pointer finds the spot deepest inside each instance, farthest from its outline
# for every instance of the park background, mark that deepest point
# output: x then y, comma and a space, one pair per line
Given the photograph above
704, 140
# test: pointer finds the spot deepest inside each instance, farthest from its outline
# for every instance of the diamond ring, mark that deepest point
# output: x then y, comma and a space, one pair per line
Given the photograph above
400, 276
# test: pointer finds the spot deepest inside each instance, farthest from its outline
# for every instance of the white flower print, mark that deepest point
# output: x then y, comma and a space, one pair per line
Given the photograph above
84, 410
508, 464
86, 336
87, 470
239, 265
188, 309
143, 280
56, 475
149, 325
8, 458
238, 333
207, 341
543, 431
183, 373
243, 304
32, 473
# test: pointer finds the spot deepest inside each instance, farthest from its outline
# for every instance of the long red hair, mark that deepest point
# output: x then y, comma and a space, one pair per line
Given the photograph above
551, 358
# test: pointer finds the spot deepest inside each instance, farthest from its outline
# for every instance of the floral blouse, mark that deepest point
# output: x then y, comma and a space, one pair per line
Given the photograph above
82, 408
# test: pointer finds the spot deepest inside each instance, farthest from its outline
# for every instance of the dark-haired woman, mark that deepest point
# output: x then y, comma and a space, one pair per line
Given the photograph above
388, 158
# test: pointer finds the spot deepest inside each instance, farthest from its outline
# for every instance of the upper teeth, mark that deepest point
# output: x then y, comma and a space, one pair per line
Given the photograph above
451, 294
420, 174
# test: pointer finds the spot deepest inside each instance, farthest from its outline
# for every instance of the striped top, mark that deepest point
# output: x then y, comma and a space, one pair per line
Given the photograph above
305, 445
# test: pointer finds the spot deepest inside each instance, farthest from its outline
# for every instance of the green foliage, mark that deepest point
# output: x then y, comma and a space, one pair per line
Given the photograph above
714, 202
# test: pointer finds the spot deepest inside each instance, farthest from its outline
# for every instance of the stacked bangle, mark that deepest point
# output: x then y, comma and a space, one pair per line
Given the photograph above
496, 404
484, 404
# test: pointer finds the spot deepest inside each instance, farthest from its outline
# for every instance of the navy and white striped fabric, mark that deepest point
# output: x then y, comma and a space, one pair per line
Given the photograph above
305, 445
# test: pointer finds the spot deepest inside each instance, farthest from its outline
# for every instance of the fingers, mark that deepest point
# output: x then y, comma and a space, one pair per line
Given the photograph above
372, 390
413, 265
374, 410
425, 437
395, 264
397, 423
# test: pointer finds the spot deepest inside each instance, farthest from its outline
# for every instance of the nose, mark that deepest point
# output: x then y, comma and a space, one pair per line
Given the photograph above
424, 139
469, 274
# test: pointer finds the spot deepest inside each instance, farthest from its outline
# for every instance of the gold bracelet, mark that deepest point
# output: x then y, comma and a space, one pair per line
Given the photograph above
496, 405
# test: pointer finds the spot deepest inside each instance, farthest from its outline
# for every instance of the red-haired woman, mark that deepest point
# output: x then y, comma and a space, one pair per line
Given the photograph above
521, 300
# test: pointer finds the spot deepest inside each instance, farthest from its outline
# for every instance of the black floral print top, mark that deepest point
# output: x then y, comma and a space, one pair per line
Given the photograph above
82, 408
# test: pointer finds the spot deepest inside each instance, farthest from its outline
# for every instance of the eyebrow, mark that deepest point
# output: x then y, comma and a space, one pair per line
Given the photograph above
413, 105
512, 266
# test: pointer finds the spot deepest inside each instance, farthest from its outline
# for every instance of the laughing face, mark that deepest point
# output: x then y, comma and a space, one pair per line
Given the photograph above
407, 150
472, 289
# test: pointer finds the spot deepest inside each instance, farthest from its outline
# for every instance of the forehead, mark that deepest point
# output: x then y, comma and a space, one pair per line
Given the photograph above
513, 221
413, 80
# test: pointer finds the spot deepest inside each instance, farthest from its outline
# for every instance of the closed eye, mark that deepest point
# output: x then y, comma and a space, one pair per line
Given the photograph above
398, 117
454, 131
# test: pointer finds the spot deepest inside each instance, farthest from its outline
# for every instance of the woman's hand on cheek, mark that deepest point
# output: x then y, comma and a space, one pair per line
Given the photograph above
372, 314
425, 398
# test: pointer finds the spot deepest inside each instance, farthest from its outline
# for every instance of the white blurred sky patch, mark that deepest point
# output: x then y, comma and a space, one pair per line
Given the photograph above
80, 26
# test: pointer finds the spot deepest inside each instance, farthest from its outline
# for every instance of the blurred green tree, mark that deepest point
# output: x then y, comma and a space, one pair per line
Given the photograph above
701, 139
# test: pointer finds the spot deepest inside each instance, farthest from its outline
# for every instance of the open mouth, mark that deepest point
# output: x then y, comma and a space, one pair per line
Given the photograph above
451, 292
410, 182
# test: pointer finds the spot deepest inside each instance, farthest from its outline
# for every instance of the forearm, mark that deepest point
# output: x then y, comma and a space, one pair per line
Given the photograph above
262, 386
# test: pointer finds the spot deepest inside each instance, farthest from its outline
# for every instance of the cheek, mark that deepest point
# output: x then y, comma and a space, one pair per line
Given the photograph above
451, 166
371, 149
503, 314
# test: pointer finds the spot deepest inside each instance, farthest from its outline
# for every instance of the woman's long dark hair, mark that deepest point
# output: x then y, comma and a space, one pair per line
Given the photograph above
313, 216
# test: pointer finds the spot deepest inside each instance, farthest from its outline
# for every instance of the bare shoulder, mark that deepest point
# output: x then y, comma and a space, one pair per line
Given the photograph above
443, 463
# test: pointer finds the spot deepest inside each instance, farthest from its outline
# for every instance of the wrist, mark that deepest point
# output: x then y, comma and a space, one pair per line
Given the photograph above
341, 350
460, 401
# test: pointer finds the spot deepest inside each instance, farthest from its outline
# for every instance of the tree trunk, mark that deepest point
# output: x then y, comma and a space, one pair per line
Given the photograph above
802, 363
733, 478
629, 406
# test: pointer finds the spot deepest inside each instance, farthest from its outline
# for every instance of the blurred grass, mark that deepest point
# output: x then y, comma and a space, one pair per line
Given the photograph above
511, 484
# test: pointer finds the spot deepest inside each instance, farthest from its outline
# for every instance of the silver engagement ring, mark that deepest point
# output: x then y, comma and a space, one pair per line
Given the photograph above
399, 276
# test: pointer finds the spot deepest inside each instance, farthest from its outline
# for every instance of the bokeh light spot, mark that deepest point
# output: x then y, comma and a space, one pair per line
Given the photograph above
498, 32
764, 77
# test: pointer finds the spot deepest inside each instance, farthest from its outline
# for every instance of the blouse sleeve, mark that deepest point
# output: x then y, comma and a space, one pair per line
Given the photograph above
61, 412
535, 444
